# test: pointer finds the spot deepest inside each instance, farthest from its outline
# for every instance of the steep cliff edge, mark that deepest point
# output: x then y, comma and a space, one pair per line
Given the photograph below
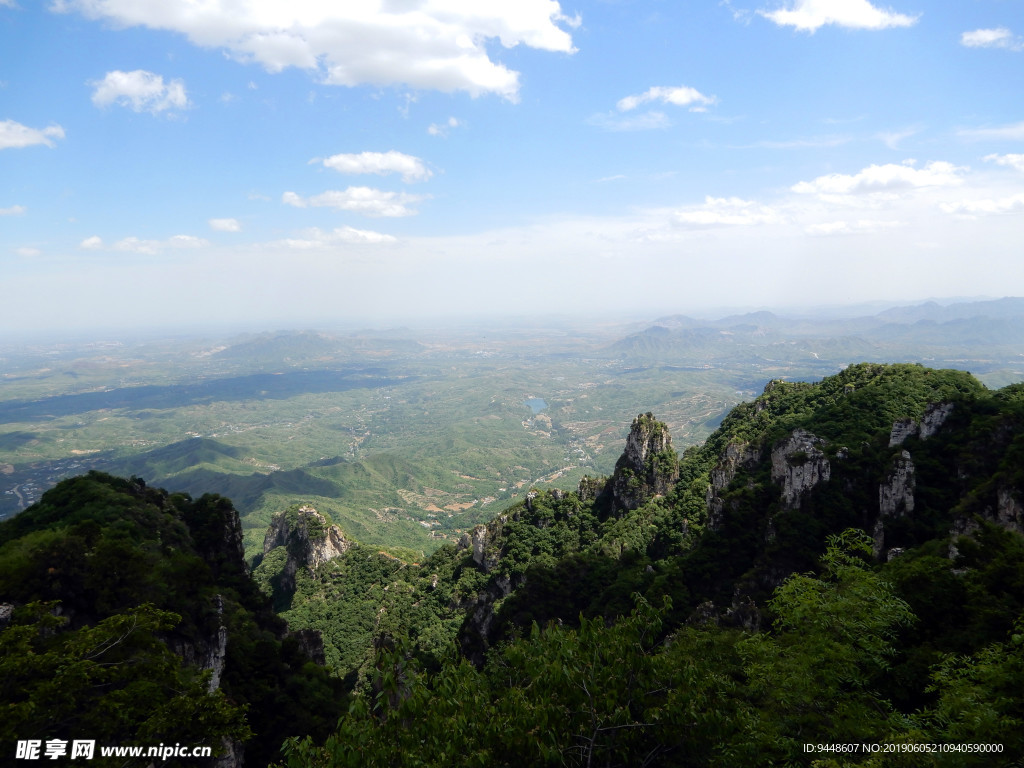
648, 467
303, 538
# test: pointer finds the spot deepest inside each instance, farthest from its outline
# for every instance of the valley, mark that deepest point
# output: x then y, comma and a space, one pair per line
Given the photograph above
408, 438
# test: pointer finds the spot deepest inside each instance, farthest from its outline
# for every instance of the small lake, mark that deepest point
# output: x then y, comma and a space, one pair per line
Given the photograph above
536, 405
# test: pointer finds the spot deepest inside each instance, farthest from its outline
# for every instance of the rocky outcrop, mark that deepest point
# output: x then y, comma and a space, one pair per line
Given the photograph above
895, 499
935, 416
310, 540
315, 541
647, 468
1009, 511
896, 494
482, 540
799, 464
735, 457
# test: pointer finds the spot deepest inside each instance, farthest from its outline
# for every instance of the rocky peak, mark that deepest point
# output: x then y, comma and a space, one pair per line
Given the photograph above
310, 540
483, 540
647, 468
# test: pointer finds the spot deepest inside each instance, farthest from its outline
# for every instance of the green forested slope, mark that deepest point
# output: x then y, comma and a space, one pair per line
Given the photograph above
841, 562
121, 595
891, 636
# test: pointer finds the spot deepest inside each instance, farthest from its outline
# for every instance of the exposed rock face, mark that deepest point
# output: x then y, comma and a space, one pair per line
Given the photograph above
590, 488
1009, 511
311, 542
735, 457
317, 541
901, 430
799, 464
895, 498
312, 644
647, 468
896, 494
481, 539
935, 416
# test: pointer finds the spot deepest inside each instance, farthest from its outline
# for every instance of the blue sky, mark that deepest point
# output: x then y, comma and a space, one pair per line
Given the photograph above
268, 163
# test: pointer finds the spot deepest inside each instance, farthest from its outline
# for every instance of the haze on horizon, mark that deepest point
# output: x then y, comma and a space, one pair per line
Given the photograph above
172, 164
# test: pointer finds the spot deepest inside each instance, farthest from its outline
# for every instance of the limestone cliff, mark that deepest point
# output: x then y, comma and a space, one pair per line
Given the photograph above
799, 464
647, 468
735, 457
309, 539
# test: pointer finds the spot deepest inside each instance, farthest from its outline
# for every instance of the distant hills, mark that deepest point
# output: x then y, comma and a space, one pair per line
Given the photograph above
902, 333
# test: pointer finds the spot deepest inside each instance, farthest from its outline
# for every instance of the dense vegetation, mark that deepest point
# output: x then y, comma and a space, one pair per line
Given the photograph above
120, 593
722, 623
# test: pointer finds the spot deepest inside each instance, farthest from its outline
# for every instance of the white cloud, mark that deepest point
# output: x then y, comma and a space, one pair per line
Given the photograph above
364, 200
727, 212
225, 225
15, 135
316, 238
973, 208
146, 247
14, 210
999, 37
381, 163
892, 139
441, 129
861, 226
140, 91
646, 121
883, 178
28, 251
1013, 161
1014, 132
439, 45
681, 96
810, 15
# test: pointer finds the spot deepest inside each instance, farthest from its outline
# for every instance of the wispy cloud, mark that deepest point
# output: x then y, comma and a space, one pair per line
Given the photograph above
143, 246
1013, 132
365, 200
1000, 37
225, 225
442, 129
883, 178
811, 15
316, 238
726, 212
1012, 161
14, 210
15, 135
858, 227
140, 91
646, 121
892, 139
380, 163
990, 206
680, 96
811, 142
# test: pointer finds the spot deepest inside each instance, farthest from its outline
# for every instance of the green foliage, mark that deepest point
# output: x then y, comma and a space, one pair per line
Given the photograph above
114, 682
815, 678
102, 547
